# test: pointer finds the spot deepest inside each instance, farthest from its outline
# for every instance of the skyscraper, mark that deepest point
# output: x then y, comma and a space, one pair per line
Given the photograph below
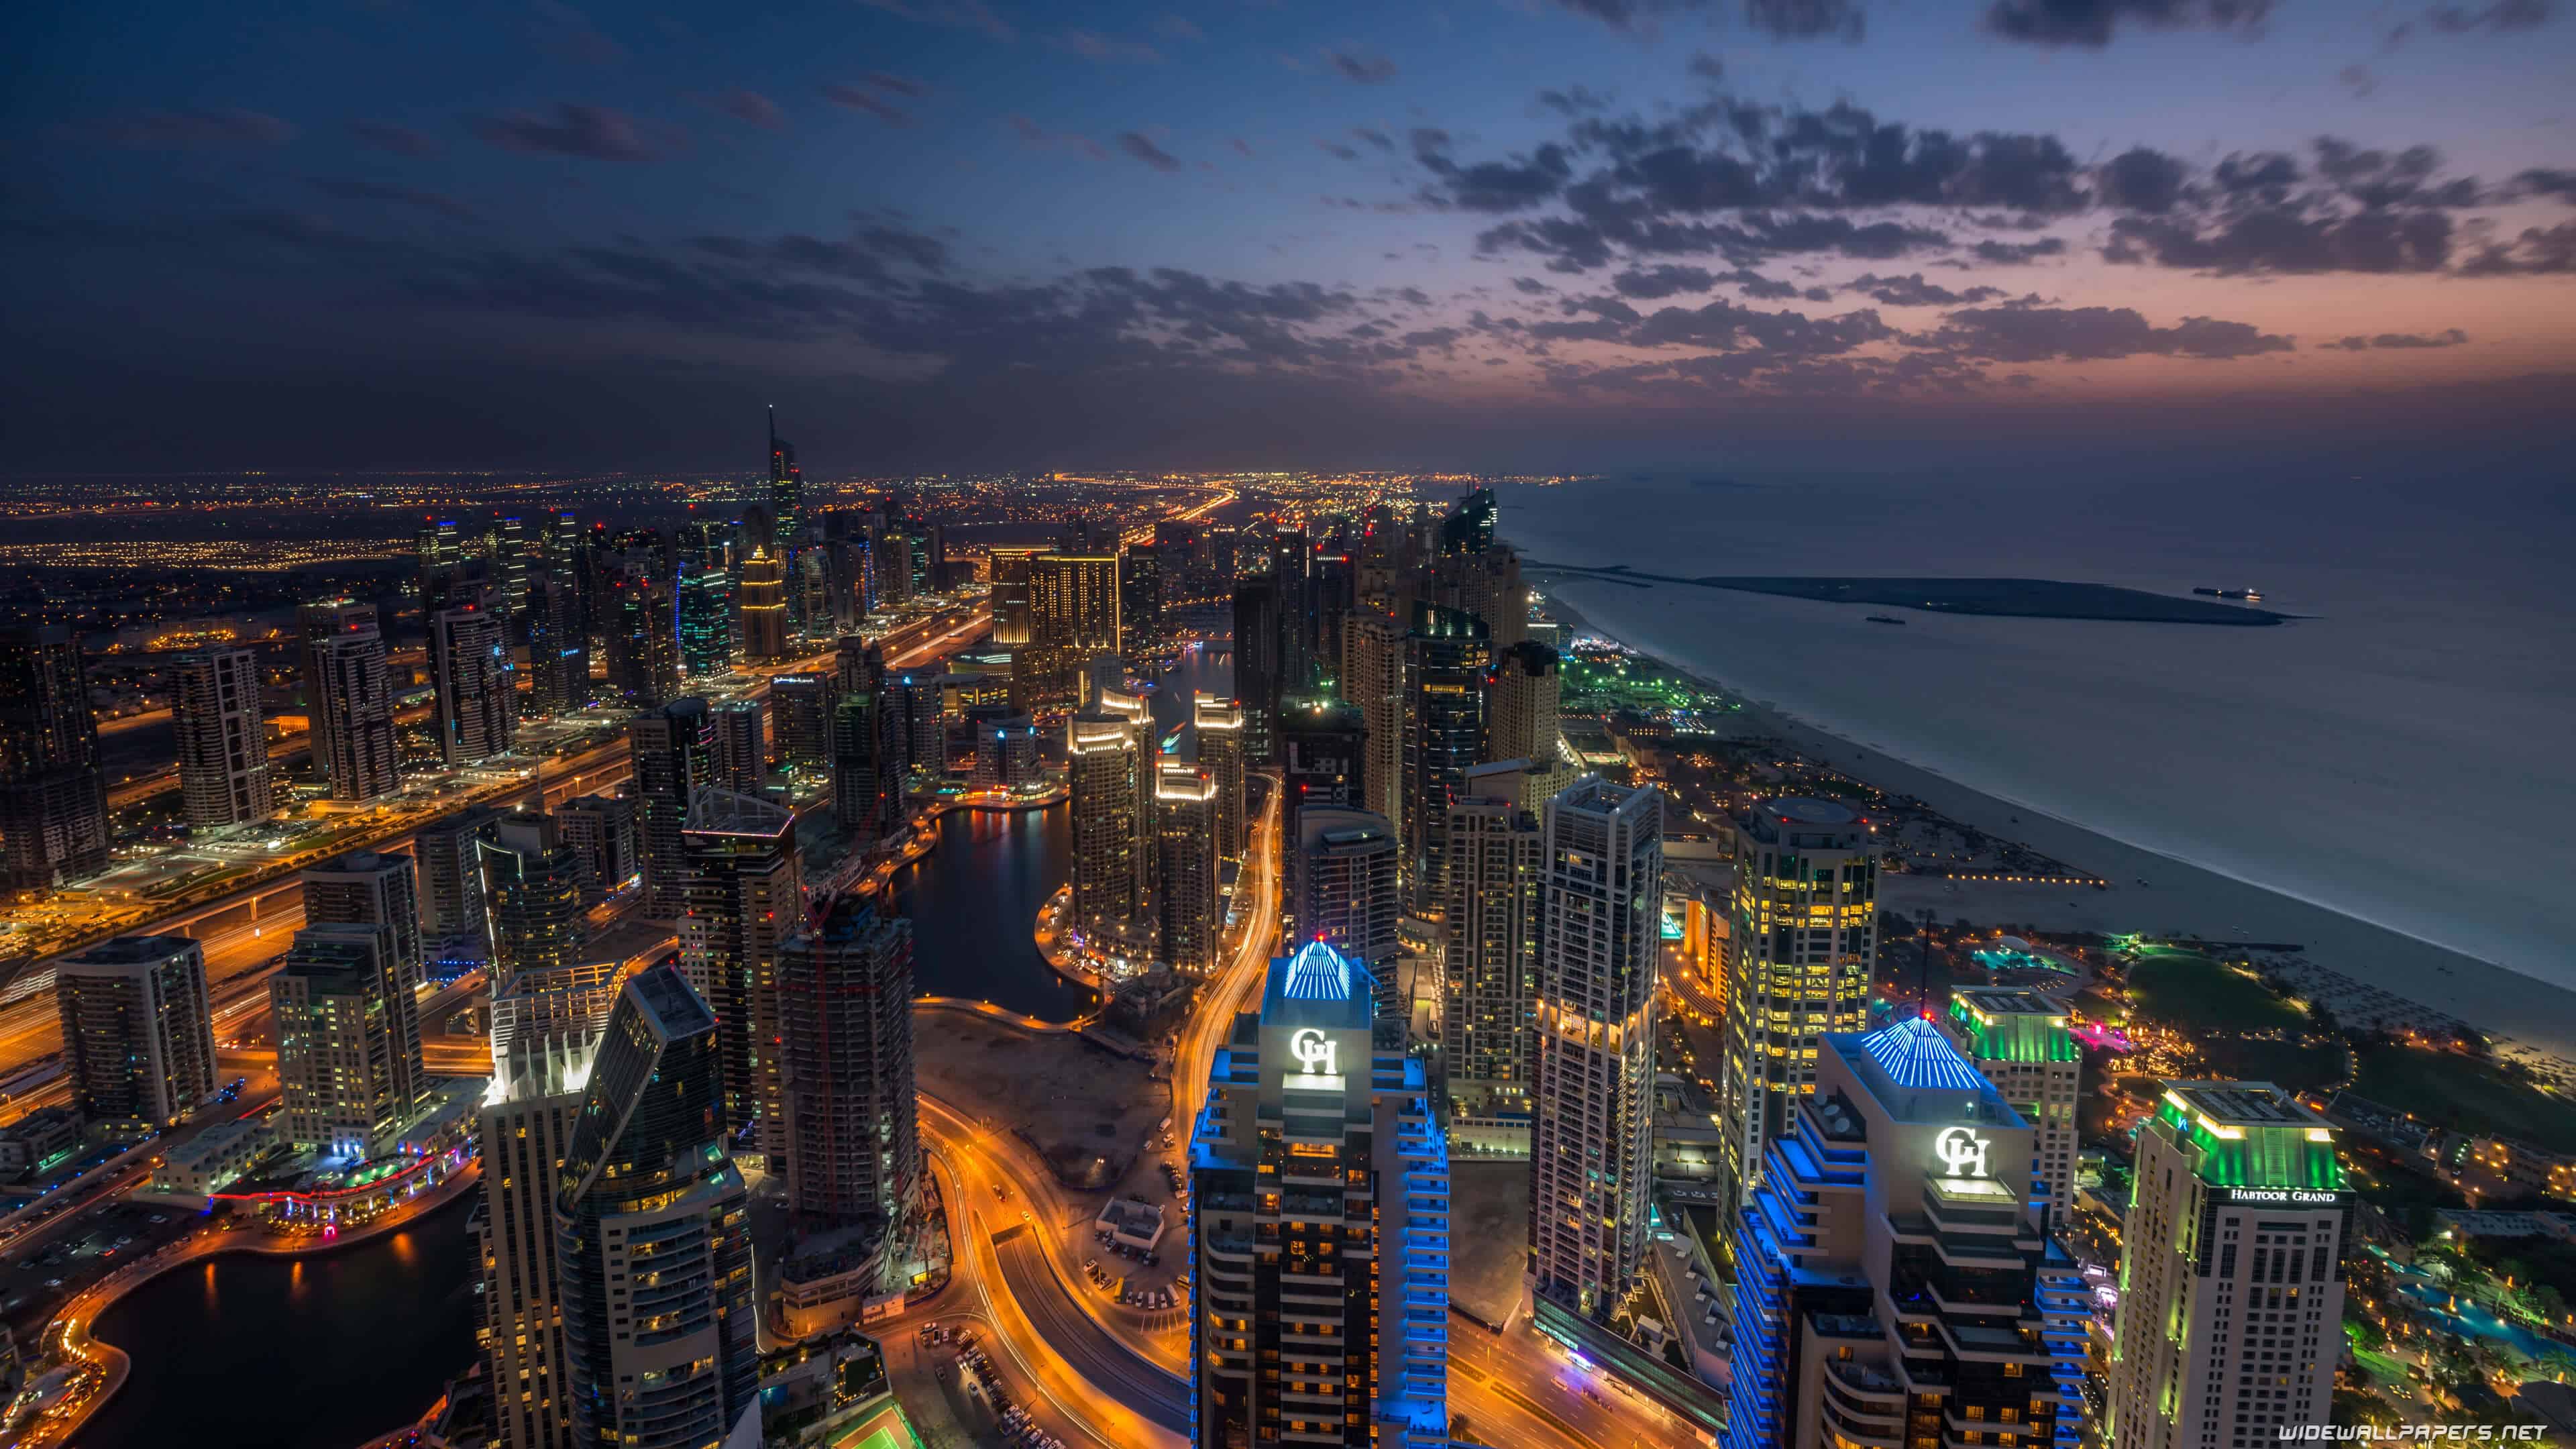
348, 698
867, 775
1593, 1094
2232, 1274
704, 619
1140, 598
1011, 628
1445, 659
1106, 764
786, 488
1344, 888
2019, 1040
1799, 957
649, 1205
223, 749
1323, 757
913, 722
1469, 527
477, 699
1373, 679
138, 1037
1523, 723
746, 894
526, 1131
764, 606
601, 831
845, 1032
1217, 725
558, 648
370, 888
1892, 1286
800, 712
1190, 912
674, 752
1074, 615
451, 874
53, 798
1320, 1250
348, 1042
742, 746
1489, 959
1006, 750
641, 641
532, 896
1257, 681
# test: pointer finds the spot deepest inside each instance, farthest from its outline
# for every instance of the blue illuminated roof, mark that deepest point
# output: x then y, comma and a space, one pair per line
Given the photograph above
1914, 1053
1318, 973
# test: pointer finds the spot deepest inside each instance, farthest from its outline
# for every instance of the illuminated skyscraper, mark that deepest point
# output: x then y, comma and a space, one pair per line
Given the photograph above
477, 685
674, 752
371, 888
1373, 679
138, 1037
1006, 751
800, 713
450, 857
558, 649
1218, 726
2019, 1040
1140, 598
526, 1131
746, 895
867, 772
1319, 1227
1257, 666
764, 607
1800, 953
601, 831
1344, 890
349, 1069
1489, 958
1323, 758
653, 1227
1892, 1286
1190, 912
742, 746
705, 621
348, 698
845, 1033
1011, 596
643, 650
53, 798
1445, 660
1106, 762
223, 749
786, 489
1592, 1097
1074, 615
532, 896
2235, 1248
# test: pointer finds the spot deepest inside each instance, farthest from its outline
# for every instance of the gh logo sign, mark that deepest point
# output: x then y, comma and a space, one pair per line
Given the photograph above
1315, 1052
1962, 1152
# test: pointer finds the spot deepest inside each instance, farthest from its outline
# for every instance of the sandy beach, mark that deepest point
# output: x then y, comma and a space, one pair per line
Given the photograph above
2175, 898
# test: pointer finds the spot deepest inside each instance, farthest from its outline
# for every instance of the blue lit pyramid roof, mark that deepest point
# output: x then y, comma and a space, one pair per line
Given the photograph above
1914, 1054
1318, 986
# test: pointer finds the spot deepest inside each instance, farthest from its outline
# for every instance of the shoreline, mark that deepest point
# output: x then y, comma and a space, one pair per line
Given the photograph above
2181, 897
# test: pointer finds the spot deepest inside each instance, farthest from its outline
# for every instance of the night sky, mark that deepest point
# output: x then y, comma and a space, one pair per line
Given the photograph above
1479, 233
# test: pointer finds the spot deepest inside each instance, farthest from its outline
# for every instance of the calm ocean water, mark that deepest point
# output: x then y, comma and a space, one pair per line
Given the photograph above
2406, 755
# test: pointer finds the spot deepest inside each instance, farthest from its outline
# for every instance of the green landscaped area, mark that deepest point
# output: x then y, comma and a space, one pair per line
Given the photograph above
2186, 990
2460, 1092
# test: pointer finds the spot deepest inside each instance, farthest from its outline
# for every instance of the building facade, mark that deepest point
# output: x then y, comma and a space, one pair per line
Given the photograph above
2019, 1040
1344, 889
348, 699
674, 753
53, 797
349, 1071
845, 1028
746, 895
223, 746
371, 888
1489, 960
138, 1032
1189, 910
1217, 726
1444, 699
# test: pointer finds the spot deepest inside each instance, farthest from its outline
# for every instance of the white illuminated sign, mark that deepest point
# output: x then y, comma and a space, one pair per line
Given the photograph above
1962, 1152
2304, 1197
1315, 1052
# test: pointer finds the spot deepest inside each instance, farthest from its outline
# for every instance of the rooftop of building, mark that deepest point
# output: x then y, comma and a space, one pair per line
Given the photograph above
666, 997
1918, 1076
2244, 1104
723, 812
2251, 1135
1318, 986
132, 951
2007, 1001
363, 862
1798, 810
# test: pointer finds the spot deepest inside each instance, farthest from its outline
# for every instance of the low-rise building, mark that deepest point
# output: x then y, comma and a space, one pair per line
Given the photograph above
39, 1141
214, 1159
1131, 1222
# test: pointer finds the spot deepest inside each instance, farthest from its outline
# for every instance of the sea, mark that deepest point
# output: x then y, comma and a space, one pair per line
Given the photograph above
2404, 752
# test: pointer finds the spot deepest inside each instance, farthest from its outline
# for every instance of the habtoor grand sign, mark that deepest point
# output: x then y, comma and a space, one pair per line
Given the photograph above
1317, 1054
1963, 1152
2286, 1196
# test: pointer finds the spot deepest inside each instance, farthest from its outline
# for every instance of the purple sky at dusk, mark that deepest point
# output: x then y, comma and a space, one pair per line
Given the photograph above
1478, 233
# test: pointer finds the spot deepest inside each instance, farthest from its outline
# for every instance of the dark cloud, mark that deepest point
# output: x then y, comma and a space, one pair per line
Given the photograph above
2140, 179
1664, 281
1364, 67
594, 132
1574, 101
1630, 14
2360, 80
2016, 254
194, 129
400, 140
2279, 240
2094, 22
2536, 252
1030, 133
753, 107
1806, 19
2090, 334
354, 190
1332, 147
901, 85
2502, 15
1379, 139
2560, 184
1532, 287
1913, 291
1491, 186
1704, 66
1142, 147
867, 101
2401, 340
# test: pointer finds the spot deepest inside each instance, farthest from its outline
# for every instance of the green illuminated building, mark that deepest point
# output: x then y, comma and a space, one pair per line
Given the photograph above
705, 610
2018, 1039
2232, 1275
